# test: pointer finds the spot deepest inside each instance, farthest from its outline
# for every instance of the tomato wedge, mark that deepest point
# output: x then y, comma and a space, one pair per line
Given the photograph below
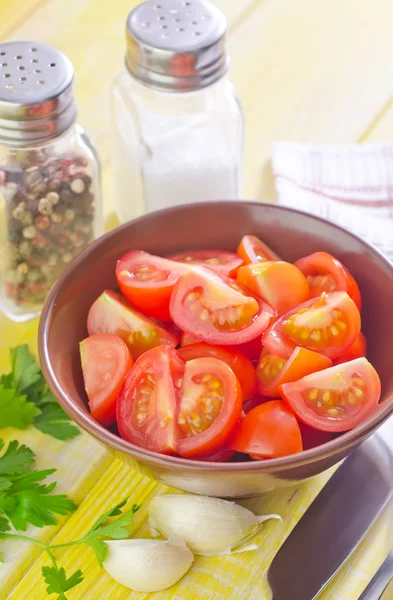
147, 404
217, 309
105, 361
269, 430
147, 282
325, 273
110, 313
357, 350
281, 284
220, 261
336, 399
239, 364
253, 250
328, 325
210, 406
273, 370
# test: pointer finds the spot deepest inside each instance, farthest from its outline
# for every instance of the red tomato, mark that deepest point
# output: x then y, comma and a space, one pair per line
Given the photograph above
325, 273
147, 404
313, 437
147, 282
268, 431
217, 309
273, 370
336, 399
281, 284
105, 361
253, 250
357, 350
328, 325
170, 406
210, 406
110, 313
220, 261
239, 364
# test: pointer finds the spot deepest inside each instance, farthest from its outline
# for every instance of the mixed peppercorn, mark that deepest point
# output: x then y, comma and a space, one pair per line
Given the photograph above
49, 218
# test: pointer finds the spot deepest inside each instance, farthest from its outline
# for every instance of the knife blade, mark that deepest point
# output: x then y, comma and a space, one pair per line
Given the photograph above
336, 521
380, 582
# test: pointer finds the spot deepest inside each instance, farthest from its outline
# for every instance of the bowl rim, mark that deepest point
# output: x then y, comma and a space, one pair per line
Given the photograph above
84, 419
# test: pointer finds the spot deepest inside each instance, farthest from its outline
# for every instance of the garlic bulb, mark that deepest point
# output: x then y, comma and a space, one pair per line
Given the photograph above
207, 525
147, 565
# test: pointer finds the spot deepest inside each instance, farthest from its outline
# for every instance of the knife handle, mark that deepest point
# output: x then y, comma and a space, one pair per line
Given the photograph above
380, 581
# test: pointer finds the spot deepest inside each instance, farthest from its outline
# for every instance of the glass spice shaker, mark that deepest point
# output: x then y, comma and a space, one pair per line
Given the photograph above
177, 123
50, 204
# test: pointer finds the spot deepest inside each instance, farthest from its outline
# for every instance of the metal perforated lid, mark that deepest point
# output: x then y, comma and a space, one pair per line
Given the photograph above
176, 45
36, 96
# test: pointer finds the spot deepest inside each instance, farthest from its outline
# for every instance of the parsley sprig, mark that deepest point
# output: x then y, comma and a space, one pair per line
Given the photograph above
26, 400
24, 500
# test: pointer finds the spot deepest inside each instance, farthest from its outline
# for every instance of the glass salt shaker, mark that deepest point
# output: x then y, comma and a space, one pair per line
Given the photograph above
50, 203
177, 122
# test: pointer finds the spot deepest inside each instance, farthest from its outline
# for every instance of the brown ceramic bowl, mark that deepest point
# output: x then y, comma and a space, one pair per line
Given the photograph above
291, 234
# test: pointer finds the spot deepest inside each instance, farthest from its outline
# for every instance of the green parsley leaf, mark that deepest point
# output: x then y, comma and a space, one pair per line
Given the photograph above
25, 370
37, 508
113, 512
26, 400
100, 549
16, 459
23, 499
116, 529
57, 581
54, 421
4, 525
15, 410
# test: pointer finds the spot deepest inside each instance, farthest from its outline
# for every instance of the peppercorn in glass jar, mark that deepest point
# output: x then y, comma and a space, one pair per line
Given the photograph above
50, 204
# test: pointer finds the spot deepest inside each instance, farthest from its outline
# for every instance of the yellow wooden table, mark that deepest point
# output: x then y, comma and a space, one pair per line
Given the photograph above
306, 70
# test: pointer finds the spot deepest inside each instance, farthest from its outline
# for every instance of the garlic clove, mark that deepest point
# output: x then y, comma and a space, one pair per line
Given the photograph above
147, 565
207, 525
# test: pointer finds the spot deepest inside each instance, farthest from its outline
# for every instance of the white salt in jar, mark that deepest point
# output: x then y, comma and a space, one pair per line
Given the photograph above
177, 123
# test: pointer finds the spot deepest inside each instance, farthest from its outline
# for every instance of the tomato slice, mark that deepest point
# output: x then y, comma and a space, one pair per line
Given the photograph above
357, 350
147, 404
325, 273
336, 399
328, 325
239, 364
268, 431
273, 370
147, 282
110, 313
217, 309
220, 261
281, 284
105, 361
253, 250
313, 437
210, 406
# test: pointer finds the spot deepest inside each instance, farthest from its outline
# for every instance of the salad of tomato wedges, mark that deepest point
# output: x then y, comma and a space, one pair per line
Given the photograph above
209, 353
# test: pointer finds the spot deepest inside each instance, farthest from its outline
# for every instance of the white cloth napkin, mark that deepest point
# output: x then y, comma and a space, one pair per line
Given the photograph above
351, 185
